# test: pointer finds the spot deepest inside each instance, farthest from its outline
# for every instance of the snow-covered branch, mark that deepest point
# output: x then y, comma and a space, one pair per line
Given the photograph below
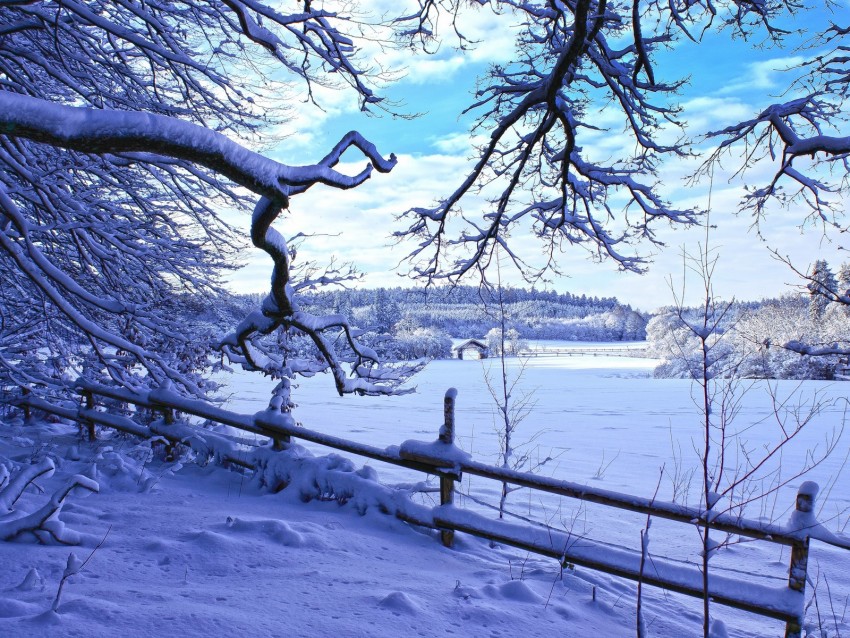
125, 130
817, 350
280, 310
44, 523
538, 166
101, 131
573, 131
805, 138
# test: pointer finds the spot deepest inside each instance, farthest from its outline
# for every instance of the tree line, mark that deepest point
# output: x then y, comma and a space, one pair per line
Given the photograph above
416, 322
797, 336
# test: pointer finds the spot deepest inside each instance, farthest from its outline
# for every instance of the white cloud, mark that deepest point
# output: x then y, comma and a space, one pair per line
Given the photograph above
455, 143
357, 225
765, 76
706, 113
431, 69
359, 222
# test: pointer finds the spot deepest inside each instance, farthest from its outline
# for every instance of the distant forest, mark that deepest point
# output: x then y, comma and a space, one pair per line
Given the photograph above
402, 323
465, 312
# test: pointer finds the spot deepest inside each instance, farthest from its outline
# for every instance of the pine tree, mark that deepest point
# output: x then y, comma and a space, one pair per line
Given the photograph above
822, 287
387, 311
844, 279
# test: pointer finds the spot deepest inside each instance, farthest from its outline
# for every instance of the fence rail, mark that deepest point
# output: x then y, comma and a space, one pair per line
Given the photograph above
441, 458
584, 352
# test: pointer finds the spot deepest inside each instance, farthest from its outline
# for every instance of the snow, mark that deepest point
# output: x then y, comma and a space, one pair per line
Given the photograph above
207, 551
435, 452
206, 555
808, 488
577, 549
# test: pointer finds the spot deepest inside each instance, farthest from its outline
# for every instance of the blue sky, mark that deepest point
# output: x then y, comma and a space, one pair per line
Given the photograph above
729, 81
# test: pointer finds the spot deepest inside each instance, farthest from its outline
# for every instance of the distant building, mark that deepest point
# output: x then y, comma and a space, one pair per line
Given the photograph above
842, 370
471, 349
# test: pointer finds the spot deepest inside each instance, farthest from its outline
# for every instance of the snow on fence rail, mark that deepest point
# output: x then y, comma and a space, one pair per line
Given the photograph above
443, 459
583, 352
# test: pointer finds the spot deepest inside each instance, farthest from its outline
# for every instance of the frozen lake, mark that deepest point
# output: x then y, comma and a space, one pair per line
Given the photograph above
607, 423
605, 418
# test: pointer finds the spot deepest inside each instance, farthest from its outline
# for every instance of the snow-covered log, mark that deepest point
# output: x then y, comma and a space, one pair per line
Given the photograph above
10, 494
43, 524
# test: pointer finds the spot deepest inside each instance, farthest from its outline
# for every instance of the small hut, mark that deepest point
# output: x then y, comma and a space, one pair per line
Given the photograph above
471, 349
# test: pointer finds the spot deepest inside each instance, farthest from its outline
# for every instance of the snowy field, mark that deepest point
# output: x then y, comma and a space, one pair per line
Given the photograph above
200, 551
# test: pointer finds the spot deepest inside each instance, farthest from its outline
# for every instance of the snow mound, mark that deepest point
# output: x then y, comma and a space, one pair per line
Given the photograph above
274, 530
33, 581
209, 540
515, 590
10, 608
118, 472
399, 603
518, 590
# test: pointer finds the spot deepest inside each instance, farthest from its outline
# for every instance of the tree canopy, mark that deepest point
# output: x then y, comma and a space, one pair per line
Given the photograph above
538, 116
127, 128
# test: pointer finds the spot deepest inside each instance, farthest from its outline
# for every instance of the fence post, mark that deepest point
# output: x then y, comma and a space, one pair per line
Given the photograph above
89, 399
797, 572
168, 419
25, 392
447, 484
281, 404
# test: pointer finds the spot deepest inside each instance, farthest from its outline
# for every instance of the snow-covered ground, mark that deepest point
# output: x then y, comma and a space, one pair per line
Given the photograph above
202, 551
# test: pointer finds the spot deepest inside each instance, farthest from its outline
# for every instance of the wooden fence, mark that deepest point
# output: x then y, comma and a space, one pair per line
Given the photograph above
584, 352
441, 458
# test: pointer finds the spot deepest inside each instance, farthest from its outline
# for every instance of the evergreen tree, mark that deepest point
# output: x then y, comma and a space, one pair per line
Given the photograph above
844, 279
822, 286
386, 311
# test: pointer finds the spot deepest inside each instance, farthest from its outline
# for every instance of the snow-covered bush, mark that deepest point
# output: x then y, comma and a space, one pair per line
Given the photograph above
305, 477
678, 347
512, 341
421, 343
755, 337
